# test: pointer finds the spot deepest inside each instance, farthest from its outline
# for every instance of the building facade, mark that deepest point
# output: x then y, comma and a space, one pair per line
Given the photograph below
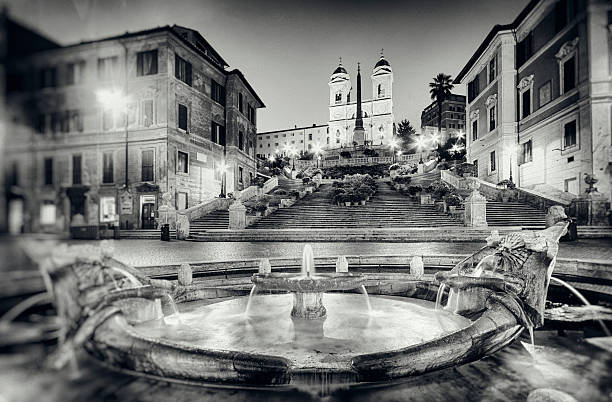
101, 129
539, 103
300, 139
453, 116
377, 111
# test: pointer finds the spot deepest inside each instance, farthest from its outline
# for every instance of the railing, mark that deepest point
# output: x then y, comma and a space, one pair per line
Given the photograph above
542, 201
247, 193
270, 184
300, 164
454, 180
197, 211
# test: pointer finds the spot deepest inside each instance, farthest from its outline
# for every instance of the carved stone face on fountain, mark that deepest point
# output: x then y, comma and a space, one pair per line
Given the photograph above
515, 269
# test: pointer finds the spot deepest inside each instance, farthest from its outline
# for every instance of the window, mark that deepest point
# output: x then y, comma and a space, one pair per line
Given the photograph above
41, 123
240, 103
381, 91
251, 116
475, 130
525, 153
48, 77
147, 113
107, 67
568, 75
76, 169
182, 117
240, 175
492, 161
75, 120
55, 122
544, 94
182, 162
217, 133
181, 200
473, 89
146, 63
338, 97
327, 140
492, 118
107, 168
146, 167
310, 137
569, 134
524, 50
526, 103
309, 147
492, 69
48, 171
75, 73
348, 97
217, 92
475, 167
565, 10
182, 69
240, 140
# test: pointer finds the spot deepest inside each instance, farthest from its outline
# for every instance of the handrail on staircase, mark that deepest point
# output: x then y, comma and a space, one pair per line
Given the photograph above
204, 208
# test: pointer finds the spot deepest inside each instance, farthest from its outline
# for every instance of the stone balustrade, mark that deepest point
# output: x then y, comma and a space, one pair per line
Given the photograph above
270, 185
301, 164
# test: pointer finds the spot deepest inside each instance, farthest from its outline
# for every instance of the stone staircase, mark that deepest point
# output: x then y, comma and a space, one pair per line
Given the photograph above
213, 221
386, 209
426, 179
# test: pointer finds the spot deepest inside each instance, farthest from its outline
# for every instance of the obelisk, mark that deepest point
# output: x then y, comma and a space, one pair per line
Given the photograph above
358, 131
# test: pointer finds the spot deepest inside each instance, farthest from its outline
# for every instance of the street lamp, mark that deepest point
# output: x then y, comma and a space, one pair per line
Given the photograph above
510, 149
421, 144
393, 144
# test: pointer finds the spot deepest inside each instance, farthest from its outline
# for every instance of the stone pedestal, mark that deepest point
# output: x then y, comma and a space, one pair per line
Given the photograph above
182, 226
185, 275
420, 168
294, 174
475, 208
341, 264
237, 216
426, 199
264, 267
592, 209
308, 305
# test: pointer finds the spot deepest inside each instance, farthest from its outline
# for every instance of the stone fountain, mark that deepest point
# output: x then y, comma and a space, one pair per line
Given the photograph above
115, 315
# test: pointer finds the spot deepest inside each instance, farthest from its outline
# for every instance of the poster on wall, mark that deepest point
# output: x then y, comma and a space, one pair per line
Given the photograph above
126, 203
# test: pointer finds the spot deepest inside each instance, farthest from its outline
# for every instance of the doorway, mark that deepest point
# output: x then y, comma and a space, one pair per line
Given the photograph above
147, 211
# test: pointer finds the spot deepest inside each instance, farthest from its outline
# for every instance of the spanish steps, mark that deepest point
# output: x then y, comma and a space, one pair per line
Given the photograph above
386, 209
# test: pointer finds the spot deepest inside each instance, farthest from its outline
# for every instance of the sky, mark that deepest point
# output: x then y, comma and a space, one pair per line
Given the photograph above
288, 49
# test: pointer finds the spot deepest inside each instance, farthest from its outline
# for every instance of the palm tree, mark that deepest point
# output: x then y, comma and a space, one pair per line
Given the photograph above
440, 90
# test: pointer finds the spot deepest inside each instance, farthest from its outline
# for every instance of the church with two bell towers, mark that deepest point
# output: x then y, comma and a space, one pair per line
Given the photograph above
376, 113
353, 121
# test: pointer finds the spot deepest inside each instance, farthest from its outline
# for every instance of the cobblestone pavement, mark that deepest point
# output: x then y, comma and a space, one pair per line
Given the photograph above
153, 252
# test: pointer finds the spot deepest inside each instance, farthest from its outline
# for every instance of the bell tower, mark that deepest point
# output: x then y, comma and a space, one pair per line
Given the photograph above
382, 101
339, 97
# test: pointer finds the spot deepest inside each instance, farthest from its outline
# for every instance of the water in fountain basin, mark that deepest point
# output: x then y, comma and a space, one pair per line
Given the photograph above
175, 311
248, 306
439, 296
367, 298
308, 265
582, 299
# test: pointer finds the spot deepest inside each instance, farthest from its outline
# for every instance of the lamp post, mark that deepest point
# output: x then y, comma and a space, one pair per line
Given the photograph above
393, 144
318, 160
420, 143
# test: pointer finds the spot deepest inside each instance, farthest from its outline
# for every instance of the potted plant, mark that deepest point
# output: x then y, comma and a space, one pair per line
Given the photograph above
507, 190
414, 190
294, 194
453, 201
260, 208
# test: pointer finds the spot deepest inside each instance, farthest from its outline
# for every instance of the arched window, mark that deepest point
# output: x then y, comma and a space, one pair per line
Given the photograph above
338, 97
327, 140
381, 91
337, 133
348, 97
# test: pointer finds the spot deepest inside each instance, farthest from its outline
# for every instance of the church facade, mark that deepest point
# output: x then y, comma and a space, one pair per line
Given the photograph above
377, 112
377, 117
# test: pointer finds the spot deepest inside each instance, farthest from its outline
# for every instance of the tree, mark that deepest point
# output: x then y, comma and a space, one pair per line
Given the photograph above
404, 132
440, 90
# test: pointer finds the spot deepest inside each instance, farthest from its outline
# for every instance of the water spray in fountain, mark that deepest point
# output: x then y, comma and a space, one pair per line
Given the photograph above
308, 265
